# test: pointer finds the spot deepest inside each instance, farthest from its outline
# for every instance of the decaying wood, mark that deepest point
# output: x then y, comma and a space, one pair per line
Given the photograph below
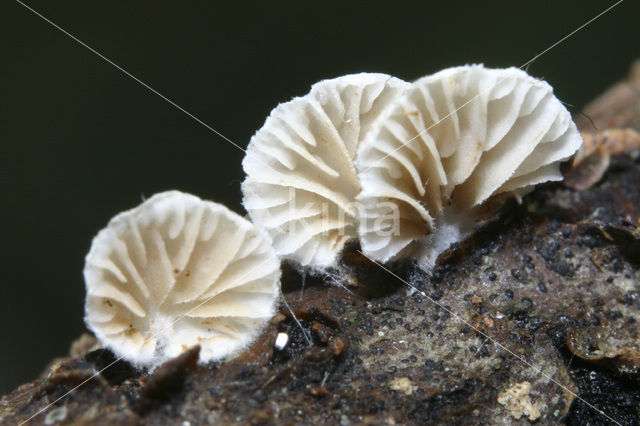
545, 298
609, 126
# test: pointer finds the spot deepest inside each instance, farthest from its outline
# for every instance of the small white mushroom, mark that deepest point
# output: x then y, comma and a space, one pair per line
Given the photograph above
454, 145
175, 272
301, 181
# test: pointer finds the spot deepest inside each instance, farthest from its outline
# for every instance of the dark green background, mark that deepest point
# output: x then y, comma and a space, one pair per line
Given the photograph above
81, 142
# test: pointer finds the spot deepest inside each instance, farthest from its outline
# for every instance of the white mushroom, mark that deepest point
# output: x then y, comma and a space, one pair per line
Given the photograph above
175, 272
458, 141
301, 181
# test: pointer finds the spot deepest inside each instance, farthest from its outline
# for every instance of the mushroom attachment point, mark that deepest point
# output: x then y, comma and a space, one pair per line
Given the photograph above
449, 151
301, 182
176, 272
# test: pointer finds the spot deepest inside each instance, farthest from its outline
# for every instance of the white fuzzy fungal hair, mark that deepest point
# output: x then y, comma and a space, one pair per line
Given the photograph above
175, 272
301, 181
446, 149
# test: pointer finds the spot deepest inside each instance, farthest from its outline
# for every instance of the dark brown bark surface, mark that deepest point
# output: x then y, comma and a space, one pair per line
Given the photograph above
545, 299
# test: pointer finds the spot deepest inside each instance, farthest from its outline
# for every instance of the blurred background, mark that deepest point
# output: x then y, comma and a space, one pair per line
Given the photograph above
80, 141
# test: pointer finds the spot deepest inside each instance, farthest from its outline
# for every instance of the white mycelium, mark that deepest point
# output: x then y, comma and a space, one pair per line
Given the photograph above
301, 181
175, 272
458, 142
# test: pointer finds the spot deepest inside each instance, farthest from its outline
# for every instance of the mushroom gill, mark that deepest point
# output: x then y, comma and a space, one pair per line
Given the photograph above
458, 142
176, 272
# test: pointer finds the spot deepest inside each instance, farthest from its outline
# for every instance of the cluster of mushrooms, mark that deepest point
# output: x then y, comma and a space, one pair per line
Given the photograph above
406, 168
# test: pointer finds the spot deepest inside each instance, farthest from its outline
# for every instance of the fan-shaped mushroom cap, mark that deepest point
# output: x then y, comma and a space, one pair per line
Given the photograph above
178, 271
301, 181
451, 144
